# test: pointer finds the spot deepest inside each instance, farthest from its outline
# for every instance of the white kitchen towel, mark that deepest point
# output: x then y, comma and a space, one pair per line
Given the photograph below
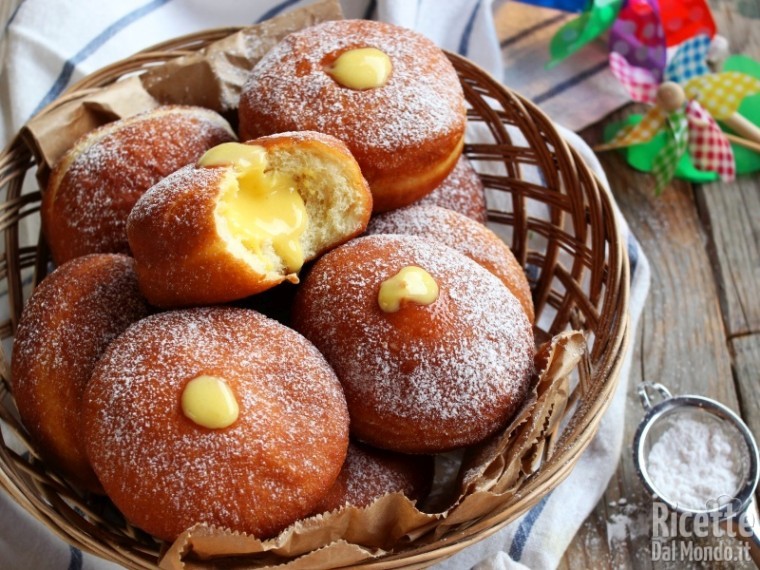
48, 44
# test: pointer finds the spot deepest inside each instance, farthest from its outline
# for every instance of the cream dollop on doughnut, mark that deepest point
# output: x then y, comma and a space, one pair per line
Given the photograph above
467, 236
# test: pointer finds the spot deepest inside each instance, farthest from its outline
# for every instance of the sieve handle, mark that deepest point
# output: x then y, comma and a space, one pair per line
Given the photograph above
648, 389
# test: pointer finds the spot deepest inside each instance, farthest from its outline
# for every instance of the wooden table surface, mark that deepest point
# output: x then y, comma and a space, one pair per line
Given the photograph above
700, 329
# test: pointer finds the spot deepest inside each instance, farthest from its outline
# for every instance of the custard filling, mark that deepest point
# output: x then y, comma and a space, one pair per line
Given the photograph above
410, 285
263, 210
361, 68
209, 402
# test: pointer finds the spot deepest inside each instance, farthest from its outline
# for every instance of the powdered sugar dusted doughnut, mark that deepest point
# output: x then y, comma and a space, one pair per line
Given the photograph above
152, 412
369, 473
66, 325
406, 129
95, 184
461, 191
446, 369
466, 236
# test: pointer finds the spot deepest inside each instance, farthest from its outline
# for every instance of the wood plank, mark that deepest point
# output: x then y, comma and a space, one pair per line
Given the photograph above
730, 214
747, 370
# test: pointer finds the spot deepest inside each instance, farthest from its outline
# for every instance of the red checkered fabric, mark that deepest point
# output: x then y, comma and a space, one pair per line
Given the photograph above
639, 82
708, 146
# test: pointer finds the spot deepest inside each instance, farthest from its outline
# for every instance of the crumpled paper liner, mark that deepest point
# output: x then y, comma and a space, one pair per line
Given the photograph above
477, 481
489, 475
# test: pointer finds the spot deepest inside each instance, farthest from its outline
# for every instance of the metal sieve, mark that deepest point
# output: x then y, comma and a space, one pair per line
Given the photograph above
738, 507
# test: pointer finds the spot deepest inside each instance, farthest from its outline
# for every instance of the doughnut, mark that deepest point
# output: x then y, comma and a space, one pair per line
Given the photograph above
461, 191
466, 236
245, 218
93, 187
432, 350
214, 415
66, 325
369, 473
387, 92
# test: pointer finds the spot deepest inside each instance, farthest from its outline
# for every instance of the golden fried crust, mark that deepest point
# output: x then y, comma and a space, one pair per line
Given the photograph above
97, 182
369, 473
406, 135
267, 469
461, 191
426, 378
467, 236
181, 258
65, 327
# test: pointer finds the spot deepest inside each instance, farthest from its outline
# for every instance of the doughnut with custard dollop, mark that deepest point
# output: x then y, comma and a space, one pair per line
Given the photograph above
266, 466
406, 133
434, 375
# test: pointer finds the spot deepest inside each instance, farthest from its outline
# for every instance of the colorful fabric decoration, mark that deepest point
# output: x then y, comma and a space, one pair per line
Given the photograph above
686, 107
640, 30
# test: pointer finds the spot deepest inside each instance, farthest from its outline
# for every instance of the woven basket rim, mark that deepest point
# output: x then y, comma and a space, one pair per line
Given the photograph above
16, 159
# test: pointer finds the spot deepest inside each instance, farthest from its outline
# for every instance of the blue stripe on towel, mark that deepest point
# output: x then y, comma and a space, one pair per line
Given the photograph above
75, 562
464, 42
274, 10
523, 531
533, 29
13, 16
68, 67
572, 82
633, 253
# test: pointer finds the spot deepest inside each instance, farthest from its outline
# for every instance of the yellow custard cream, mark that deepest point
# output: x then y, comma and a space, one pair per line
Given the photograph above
265, 208
411, 284
210, 402
362, 68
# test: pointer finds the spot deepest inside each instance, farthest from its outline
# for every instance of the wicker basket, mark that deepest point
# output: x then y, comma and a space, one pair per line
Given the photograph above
573, 252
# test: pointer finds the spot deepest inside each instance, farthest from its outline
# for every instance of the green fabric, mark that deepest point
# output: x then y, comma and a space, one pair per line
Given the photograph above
641, 156
571, 37
676, 142
746, 160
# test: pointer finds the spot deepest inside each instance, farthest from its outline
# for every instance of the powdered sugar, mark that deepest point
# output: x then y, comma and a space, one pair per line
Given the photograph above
95, 186
461, 191
694, 462
463, 234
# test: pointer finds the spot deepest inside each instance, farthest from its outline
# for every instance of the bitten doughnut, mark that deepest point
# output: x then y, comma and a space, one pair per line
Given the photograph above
245, 218
461, 191
432, 350
214, 415
466, 236
66, 325
369, 473
94, 185
389, 93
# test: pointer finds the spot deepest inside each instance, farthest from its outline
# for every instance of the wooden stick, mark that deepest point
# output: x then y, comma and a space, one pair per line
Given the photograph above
743, 127
752, 145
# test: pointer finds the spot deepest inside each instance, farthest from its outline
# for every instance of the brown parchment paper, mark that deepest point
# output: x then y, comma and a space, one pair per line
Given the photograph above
475, 482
